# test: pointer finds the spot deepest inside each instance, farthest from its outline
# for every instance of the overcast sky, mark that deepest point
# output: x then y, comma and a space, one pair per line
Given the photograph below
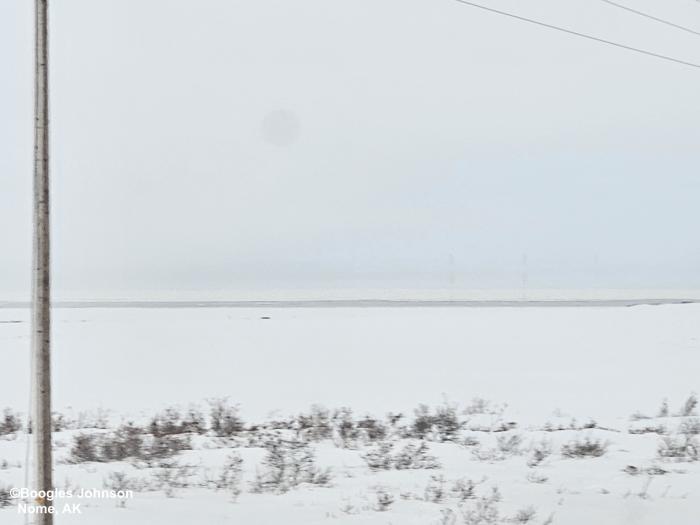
218, 144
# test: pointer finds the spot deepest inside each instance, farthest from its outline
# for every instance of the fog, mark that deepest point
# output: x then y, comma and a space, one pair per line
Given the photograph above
219, 145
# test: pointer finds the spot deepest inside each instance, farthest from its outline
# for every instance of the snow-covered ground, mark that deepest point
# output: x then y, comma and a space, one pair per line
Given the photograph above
588, 361
549, 372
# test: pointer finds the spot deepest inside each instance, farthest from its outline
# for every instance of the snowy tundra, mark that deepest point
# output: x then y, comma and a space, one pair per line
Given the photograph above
532, 415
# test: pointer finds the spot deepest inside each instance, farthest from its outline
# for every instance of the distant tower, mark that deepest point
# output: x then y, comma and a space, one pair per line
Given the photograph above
524, 277
452, 277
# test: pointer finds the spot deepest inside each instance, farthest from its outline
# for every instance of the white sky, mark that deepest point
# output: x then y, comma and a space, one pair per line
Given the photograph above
215, 144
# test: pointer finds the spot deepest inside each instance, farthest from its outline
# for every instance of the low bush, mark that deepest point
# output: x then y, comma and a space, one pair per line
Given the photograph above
463, 489
678, 448
119, 482
85, 449
127, 442
346, 428
435, 489
224, 418
10, 423
410, 457
384, 500
169, 476
288, 464
588, 448
690, 427
484, 511
443, 425
509, 445
688, 408
5, 497
316, 425
59, 422
231, 475
372, 429
539, 452
648, 429
525, 515
163, 447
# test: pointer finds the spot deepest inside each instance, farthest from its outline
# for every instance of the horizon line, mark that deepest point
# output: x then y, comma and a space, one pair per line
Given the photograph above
356, 303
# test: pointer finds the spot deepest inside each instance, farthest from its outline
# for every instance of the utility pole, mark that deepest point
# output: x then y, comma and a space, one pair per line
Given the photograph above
41, 277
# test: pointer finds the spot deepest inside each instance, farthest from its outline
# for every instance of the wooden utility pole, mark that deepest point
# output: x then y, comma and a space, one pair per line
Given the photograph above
41, 278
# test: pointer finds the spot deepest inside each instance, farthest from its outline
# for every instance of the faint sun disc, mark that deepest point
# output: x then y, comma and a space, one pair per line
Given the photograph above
281, 127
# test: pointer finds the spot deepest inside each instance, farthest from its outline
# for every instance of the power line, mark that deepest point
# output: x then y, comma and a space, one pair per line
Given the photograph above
646, 15
581, 35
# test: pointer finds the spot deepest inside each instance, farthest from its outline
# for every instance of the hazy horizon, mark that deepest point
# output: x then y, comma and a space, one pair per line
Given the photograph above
371, 145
